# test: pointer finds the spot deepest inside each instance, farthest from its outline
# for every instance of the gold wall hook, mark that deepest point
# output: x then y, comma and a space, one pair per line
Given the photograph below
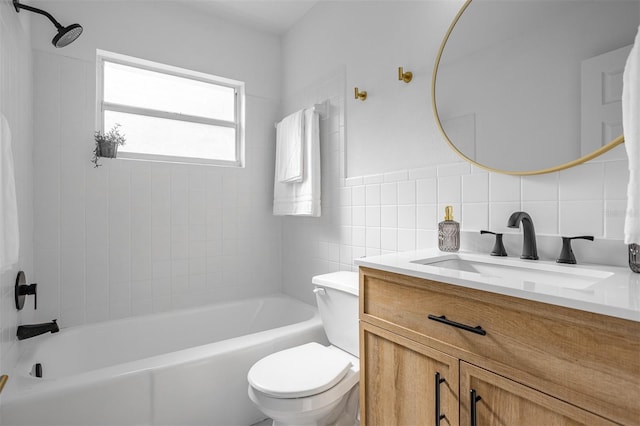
3, 381
404, 76
360, 95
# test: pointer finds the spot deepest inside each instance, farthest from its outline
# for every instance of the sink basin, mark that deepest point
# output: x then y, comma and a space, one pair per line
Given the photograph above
520, 273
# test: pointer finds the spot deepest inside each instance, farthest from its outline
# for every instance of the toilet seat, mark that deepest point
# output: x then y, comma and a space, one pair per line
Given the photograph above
299, 372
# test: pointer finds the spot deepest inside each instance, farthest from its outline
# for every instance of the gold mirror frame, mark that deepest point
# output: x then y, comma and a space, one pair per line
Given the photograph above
617, 141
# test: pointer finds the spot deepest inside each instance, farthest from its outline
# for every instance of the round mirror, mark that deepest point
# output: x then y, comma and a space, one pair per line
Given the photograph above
533, 86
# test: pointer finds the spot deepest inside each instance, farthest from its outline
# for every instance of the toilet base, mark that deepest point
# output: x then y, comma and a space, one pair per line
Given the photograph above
343, 413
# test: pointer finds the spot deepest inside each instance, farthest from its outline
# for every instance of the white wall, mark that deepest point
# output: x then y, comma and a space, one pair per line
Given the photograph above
130, 237
396, 205
373, 39
16, 105
305, 241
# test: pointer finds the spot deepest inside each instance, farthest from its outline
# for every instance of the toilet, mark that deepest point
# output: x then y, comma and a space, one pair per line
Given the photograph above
313, 384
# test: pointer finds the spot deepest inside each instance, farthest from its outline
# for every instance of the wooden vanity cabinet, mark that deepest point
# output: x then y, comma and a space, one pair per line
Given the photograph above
498, 401
530, 363
408, 384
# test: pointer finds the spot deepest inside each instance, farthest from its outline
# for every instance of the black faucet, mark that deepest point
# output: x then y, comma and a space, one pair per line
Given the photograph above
529, 247
33, 330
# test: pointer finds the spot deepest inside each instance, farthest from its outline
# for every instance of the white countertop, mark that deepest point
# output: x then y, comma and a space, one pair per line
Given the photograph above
618, 295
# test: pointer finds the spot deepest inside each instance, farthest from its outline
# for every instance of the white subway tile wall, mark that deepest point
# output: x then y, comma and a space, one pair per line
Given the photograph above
130, 237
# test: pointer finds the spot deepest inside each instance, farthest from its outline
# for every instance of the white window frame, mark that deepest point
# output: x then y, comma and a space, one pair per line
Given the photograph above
103, 56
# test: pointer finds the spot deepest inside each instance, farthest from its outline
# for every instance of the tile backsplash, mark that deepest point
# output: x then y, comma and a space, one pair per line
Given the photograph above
569, 203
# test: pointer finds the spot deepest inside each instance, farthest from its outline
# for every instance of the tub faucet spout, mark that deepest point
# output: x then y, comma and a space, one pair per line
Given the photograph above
32, 330
529, 247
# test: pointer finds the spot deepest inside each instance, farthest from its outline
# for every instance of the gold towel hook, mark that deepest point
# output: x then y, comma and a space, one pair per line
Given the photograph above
3, 381
360, 95
404, 76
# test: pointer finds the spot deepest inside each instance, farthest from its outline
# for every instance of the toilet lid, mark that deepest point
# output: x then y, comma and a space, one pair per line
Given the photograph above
298, 372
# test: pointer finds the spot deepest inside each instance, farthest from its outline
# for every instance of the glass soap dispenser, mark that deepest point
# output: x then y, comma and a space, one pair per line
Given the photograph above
448, 232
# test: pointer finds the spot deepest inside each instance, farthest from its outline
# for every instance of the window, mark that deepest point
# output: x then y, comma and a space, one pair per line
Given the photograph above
171, 114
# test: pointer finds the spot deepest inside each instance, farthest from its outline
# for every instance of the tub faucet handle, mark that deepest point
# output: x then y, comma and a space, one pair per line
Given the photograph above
22, 290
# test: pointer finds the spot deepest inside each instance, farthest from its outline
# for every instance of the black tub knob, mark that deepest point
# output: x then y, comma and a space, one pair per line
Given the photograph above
566, 255
498, 247
22, 290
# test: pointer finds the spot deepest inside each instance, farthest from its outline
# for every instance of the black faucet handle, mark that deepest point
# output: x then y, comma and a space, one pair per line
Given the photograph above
566, 255
498, 246
33, 289
22, 290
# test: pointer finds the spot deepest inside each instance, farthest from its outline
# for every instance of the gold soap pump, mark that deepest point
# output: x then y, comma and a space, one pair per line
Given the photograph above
448, 232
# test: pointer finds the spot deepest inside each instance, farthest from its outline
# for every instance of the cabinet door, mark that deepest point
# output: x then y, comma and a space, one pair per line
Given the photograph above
405, 383
487, 399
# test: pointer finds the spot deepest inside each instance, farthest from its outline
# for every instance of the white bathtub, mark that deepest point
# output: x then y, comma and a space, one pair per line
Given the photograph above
179, 368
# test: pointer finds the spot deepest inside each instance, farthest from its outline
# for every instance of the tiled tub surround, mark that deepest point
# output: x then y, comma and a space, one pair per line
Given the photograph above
132, 237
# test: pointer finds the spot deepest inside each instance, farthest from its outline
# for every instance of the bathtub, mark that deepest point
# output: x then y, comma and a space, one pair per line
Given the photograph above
179, 368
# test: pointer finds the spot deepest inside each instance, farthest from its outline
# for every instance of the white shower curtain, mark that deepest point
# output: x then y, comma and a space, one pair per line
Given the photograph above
9, 236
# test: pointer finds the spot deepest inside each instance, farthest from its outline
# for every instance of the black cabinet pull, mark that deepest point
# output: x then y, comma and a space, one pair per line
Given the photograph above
444, 320
474, 414
438, 415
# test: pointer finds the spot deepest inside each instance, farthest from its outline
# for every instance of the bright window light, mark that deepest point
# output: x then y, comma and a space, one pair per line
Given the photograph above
171, 114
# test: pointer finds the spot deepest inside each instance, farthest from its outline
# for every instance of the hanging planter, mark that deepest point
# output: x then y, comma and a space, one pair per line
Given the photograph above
107, 149
107, 144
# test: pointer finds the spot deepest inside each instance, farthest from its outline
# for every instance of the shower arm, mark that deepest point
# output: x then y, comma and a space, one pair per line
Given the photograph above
19, 6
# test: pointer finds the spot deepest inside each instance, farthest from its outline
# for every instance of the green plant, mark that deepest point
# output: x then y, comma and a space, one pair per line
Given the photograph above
112, 138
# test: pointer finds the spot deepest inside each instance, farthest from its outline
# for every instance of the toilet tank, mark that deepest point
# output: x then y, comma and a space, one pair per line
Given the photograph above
337, 297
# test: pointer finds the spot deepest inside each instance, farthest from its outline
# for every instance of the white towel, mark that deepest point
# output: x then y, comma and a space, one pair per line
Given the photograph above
9, 236
302, 198
290, 148
631, 131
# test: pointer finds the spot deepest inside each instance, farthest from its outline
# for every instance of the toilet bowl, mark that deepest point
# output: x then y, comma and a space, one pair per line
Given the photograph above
317, 384
313, 384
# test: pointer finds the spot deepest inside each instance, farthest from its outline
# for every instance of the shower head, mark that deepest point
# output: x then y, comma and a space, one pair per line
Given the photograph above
65, 36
